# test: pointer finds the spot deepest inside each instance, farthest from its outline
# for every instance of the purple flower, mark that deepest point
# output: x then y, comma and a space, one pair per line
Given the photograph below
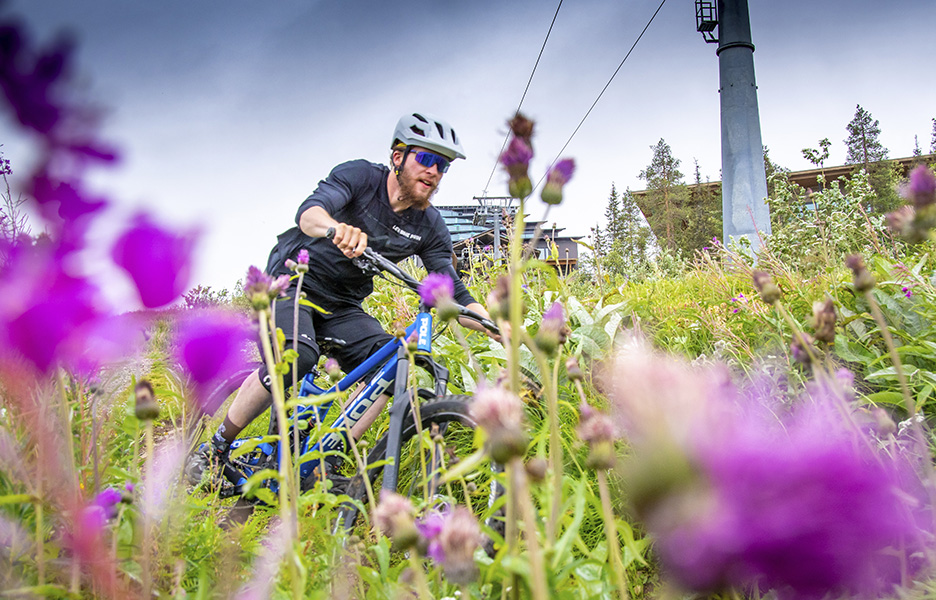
921, 189
209, 347
907, 291
598, 431
516, 160
500, 413
107, 500
556, 179
436, 288
260, 288
158, 260
553, 330
735, 491
303, 258
459, 538
46, 314
394, 516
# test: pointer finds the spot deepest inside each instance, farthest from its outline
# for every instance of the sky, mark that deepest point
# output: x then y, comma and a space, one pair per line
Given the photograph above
227, 113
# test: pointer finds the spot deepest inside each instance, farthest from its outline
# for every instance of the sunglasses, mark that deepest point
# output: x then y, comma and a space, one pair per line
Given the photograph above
427, 159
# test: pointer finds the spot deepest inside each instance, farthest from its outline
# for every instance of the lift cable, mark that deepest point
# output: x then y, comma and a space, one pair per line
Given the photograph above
507, 137
600, 94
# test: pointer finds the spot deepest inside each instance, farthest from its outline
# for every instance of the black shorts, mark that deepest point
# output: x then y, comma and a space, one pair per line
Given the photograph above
361, 334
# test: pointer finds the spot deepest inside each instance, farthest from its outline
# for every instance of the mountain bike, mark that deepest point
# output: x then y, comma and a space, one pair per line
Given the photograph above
416, 455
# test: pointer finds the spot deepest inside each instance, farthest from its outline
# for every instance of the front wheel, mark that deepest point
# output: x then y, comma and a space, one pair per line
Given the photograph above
433, 473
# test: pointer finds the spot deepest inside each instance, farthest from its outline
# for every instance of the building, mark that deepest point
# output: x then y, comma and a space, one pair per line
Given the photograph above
472, 230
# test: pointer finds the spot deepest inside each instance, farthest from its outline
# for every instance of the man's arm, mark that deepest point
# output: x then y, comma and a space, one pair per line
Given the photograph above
315, 221
472, 324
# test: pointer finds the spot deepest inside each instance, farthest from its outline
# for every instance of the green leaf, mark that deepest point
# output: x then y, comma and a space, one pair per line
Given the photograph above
17, 499
888, 397
251, 445
564, 543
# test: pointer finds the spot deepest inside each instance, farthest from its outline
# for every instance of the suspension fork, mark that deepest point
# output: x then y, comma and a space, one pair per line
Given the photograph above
398, 411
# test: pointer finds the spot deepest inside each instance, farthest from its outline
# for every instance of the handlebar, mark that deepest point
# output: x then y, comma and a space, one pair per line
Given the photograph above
373, 262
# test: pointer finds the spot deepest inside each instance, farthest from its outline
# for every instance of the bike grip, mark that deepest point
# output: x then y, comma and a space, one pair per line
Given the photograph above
330, 233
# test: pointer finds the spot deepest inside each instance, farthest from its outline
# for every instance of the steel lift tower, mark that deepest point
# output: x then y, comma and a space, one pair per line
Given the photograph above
744, 181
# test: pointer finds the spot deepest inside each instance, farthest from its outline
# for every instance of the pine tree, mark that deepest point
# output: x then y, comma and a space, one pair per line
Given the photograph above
613, 213
863, 143
666, 194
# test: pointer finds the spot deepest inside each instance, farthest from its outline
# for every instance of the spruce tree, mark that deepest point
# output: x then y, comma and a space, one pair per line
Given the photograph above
863, 143
666, 194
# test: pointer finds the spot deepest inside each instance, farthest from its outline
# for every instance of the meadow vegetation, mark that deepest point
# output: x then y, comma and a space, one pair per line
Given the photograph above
727, 424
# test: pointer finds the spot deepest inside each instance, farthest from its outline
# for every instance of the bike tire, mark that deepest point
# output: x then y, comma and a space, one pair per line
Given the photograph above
452, 413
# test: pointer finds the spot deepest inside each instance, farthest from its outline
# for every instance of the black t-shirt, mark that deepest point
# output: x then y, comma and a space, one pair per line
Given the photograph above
355, 193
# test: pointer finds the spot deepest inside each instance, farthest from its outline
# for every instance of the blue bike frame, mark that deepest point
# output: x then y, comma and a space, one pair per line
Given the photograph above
387, 360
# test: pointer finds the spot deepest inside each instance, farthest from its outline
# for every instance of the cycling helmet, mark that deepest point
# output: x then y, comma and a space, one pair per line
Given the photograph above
426, 131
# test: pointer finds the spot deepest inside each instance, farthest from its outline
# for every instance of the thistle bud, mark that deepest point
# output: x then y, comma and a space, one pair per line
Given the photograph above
597, 430
553, 330
498, 300
333, 370
823, 321
536, 469
147, 408
394, 516
803, 348
573, 370
556, 179
765, 286
500, 414
862, 278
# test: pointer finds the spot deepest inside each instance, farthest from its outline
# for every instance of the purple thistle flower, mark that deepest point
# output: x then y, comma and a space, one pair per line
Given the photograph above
35, 286
553, 330
921, 189
261, 288
517, 155
459, 538
735, 495
907, 291
436, 288
303, 258
209, 348
394, 516
500, 413
108, 500
516, 160
158, 260
556, 179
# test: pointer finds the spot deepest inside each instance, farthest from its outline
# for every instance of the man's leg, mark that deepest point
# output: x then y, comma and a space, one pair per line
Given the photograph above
249, 403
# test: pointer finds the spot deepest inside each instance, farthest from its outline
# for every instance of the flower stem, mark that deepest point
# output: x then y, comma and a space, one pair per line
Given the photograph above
422, 586
537, 566
287, 495
614, 548
555, 443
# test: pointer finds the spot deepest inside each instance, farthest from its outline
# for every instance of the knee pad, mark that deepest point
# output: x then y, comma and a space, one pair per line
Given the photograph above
307, 360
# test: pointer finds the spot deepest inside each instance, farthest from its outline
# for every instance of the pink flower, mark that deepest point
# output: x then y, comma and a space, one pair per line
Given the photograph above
46, 314
921, 189
158, 260
516, 160
209, 347
500, 413
556, 179
436, 288
737, 490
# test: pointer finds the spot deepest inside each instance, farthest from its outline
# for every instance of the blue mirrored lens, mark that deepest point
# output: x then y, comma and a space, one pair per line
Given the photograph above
427, 159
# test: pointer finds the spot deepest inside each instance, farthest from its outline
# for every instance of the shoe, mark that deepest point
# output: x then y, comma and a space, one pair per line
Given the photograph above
339, 483
210, 462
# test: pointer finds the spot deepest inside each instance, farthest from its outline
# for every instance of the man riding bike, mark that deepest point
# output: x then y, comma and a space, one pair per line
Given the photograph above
367, 204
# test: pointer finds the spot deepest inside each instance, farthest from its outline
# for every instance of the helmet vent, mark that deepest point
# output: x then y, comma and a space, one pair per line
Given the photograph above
418, 131
421, 118
454, 137
440, 130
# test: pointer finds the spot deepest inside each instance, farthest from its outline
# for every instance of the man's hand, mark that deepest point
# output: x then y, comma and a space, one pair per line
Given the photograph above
350, 240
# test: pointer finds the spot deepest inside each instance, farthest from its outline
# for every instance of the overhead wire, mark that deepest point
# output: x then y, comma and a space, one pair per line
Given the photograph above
523, 97
600, 94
